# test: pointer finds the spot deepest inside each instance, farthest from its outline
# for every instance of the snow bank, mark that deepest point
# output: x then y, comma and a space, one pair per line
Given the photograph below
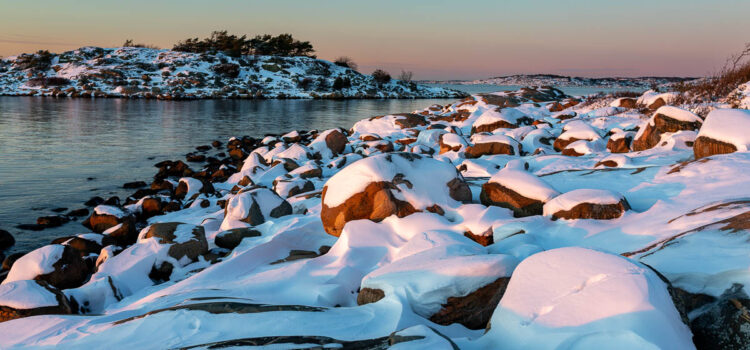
26, 294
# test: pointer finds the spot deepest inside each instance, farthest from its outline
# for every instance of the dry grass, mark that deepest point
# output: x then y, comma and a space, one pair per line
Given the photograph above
717, 87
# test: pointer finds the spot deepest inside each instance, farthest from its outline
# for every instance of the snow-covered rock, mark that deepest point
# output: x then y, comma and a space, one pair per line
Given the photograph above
666, 119
587, 204
585, 299
390, 184
725, 131
26, 298
517, 190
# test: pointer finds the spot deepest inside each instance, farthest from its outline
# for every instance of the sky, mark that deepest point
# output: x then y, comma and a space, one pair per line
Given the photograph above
435, 39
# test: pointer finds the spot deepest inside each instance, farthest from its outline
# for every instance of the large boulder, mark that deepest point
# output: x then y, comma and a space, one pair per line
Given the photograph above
185, 240
577, 298
724, 131
255, 206
665, 119
390, 184
30, 298
620, 142
491, 144
518, 190
58, 265
329, 143
587, 204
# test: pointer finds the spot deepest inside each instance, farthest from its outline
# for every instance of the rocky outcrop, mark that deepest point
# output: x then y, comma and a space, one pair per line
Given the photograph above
491, 144
58, 265
517, 190
475, 309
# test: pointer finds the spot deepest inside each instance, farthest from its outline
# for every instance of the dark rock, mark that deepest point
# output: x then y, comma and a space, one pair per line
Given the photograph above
475, 309
51, 221
78, 212
114, 200
134, 184
725, 324
232, 238
31, 227
11, 259
203, 148
6, 240
94, 201
191, 245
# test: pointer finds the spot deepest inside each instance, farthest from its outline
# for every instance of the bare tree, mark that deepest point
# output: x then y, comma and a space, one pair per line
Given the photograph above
405, 76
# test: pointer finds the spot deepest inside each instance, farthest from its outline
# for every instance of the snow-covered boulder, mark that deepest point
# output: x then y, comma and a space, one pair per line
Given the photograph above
577, 298
449, 142
112, 221
56, 264
624, 102
30, 298
490, 144
654, 99
619, 141
390, 184
587, 204
724, 131
493, 119
446, 290
289, 188
329, 143
666, 119
518, 190
575, 131
254, 207
391, 125
186, 241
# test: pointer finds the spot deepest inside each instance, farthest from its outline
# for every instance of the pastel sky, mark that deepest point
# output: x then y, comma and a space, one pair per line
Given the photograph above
435, 39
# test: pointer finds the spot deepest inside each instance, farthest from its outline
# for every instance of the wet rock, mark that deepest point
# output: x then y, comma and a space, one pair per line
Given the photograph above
51, 221
30, 227
94, 201
11, 259
134, 185
78, 212
6, 240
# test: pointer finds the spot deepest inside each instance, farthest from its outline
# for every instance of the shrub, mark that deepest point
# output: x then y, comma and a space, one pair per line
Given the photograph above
346, 62
305, 83
341, 83
235, 46
230, 70
405, 76
130, 43
41, 60
47, 81
381, 76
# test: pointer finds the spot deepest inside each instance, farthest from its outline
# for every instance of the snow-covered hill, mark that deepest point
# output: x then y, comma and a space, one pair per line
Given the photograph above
165, 74
567, 81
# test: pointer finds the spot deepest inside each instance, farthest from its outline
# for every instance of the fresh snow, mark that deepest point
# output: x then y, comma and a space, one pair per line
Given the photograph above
38, 262
525, 184
26, 294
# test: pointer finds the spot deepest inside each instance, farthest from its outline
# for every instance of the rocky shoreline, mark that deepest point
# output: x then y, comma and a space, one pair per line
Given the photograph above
449, 226
134, 72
